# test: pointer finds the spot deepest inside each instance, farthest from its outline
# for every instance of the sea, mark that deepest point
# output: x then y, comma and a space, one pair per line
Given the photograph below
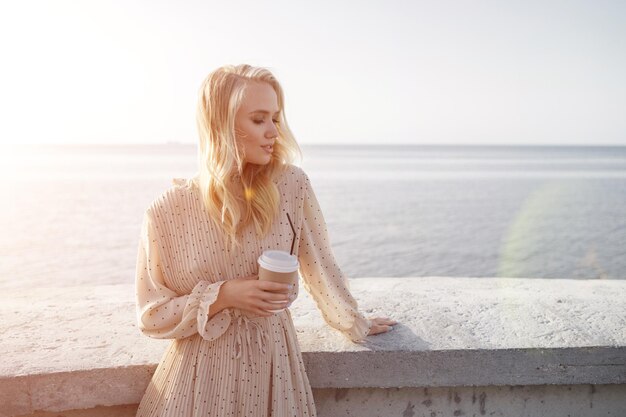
71, 214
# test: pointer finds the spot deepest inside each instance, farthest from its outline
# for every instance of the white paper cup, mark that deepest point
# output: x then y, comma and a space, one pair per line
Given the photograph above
279, 266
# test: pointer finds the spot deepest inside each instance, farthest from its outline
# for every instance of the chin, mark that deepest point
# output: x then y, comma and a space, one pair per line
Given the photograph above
266, 160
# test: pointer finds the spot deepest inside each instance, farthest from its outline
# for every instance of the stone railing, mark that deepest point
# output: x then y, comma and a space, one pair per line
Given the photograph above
463, 347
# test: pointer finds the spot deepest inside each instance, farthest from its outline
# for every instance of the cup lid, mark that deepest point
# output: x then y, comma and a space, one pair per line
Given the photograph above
278, 261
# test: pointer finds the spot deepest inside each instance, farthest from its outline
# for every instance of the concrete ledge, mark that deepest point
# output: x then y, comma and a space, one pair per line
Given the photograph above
453, 368
79, 348
518, 401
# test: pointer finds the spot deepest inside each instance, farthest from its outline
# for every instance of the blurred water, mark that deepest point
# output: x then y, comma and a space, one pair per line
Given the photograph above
71, 214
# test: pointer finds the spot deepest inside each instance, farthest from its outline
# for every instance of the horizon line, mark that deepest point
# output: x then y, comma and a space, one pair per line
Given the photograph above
173, 143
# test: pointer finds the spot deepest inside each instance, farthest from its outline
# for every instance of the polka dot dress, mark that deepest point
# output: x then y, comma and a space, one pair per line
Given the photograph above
234, 363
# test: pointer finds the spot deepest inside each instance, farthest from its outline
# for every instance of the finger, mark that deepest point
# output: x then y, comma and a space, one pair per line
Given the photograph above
376, 330
273, 306
274, 296
251, 277
380, 329
274, 286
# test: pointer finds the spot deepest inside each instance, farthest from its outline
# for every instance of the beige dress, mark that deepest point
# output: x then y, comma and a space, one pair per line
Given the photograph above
235, 363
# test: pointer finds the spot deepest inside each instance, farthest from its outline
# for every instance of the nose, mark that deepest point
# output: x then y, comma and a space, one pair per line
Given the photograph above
272, 132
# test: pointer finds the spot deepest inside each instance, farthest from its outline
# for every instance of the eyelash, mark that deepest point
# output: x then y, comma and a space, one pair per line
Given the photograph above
261, 121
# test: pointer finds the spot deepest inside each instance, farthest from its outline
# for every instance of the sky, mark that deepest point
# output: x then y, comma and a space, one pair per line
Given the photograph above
353, 72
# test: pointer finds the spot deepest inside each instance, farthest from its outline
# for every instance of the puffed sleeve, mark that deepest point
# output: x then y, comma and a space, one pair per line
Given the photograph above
321, 275
161, 312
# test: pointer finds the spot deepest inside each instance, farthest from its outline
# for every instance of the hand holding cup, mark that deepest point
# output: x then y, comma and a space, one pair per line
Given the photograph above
256, 296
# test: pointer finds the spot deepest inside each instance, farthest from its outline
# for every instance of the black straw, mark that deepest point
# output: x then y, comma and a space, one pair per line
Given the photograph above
294, 234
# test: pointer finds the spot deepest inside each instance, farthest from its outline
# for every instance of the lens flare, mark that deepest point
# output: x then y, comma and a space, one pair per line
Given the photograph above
248, 193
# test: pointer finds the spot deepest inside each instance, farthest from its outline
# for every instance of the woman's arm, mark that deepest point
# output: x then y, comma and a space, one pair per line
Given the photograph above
161, 312
322, 277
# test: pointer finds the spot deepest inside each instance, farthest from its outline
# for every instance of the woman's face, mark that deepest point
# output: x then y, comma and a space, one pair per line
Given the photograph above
256, 123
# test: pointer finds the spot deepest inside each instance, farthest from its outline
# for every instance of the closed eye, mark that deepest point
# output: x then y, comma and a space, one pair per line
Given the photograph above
258, 122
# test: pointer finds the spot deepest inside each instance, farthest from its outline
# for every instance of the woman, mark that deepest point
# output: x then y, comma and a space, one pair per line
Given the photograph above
197, 268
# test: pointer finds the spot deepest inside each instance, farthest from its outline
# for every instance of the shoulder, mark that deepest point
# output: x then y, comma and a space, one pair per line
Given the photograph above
294, 175
172, 199
294, 181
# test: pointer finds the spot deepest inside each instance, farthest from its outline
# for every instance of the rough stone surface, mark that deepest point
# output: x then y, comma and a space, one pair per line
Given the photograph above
115, 411
517, 401
82, 345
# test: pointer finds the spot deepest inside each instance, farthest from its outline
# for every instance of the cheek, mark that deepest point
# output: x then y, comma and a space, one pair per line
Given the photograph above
250, 131
247, 140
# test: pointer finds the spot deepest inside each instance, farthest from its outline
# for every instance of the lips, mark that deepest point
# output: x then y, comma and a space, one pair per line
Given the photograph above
268, 148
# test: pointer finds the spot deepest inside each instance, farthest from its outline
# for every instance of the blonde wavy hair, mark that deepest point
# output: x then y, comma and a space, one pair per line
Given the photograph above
220, 156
